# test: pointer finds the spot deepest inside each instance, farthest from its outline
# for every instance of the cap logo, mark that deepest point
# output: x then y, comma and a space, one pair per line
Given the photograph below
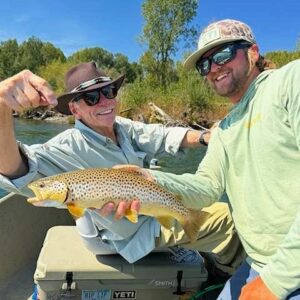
209, 36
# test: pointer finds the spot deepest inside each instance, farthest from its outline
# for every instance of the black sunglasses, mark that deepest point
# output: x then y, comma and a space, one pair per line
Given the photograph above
93, 97
220, 57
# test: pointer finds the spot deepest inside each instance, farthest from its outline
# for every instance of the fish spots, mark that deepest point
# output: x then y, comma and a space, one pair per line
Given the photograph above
95, 187
92, 188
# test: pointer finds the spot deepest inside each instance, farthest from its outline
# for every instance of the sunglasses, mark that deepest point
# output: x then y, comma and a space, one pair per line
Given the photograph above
220, 57
93, 97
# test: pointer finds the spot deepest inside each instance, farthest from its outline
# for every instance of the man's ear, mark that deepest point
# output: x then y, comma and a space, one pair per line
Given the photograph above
254, 52
74, 110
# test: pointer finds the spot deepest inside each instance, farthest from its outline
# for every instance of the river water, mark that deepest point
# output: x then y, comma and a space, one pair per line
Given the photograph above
33, 132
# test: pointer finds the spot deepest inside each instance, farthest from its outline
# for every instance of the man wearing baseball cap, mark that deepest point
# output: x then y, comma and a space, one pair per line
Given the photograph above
254, 157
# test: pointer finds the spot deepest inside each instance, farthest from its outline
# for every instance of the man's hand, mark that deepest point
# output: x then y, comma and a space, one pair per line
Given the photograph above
256, 290
26, 90
119, 209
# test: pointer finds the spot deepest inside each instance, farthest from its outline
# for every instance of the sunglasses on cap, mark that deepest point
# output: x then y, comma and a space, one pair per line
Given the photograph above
220, 57
93, 97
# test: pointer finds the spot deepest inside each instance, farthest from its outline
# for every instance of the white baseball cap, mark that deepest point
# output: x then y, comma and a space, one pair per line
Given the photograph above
218, 33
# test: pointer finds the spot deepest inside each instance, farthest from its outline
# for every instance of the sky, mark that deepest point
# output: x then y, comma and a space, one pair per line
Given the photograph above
115, 25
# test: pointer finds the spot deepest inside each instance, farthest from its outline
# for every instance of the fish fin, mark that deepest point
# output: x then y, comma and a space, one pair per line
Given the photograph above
165, 221
192, 223
131, 215
75, 210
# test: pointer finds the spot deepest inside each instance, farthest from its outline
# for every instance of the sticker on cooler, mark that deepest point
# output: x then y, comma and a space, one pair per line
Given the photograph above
96, 295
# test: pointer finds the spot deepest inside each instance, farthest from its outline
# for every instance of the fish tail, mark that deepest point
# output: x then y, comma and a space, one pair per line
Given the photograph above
192, 224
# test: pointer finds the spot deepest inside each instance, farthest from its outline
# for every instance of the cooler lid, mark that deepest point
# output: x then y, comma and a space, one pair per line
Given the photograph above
64, 251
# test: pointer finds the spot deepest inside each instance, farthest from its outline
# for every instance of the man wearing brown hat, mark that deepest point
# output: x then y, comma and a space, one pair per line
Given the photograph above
99, 139
253, 156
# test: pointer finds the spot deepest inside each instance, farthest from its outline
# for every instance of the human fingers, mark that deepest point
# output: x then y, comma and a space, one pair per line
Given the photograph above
26, 97
135, 205
124, 206
25, 90
9, 90
41, 86
106, 209
9, 97
121, 210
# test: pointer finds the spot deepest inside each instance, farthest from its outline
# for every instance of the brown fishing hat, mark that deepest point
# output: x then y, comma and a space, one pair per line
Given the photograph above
82, 78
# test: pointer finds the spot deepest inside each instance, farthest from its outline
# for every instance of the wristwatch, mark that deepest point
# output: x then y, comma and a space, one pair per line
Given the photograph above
201, 138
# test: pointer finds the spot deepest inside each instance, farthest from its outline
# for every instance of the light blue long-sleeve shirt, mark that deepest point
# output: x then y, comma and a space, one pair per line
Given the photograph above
81, 147
254, 156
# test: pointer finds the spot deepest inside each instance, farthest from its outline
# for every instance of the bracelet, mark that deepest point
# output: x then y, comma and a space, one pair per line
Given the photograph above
201, 138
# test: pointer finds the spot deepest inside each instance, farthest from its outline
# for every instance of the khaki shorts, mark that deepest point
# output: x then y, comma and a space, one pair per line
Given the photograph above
217, 236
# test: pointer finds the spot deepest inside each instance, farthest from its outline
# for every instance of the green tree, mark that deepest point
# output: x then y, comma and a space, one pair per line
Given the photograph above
123, 66
54, 73
167, 22
103, 58
29, 55
298, 44
8, 54
50, 53
113, 65
33, 54
281, 58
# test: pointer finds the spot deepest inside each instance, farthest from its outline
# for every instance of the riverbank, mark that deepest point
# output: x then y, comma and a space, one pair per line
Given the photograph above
149, 113
48, 115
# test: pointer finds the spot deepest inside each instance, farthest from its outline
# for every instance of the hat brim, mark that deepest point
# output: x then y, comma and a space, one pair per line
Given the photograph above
190, 62
63, 100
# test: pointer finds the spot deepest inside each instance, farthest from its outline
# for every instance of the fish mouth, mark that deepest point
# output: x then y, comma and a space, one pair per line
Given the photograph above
37, 194
45, 203
35, 201
38, 200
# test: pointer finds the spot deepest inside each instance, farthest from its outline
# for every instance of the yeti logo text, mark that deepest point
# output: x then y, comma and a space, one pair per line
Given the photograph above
124, 295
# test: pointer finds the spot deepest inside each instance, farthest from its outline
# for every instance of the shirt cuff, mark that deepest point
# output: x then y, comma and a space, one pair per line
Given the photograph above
19, 185
174, 139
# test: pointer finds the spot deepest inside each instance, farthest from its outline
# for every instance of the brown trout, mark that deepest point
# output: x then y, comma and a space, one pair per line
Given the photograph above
92, 188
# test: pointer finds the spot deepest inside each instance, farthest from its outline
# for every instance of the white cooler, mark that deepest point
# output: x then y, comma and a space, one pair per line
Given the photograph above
66, 269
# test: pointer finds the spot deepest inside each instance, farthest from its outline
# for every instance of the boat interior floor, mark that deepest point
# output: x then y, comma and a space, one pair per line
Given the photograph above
20, 285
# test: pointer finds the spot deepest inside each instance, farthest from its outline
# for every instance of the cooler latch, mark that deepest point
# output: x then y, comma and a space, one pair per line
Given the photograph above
69, 285
179, 279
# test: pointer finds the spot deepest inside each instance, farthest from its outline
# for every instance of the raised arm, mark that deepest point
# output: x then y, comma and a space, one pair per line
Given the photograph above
22, 91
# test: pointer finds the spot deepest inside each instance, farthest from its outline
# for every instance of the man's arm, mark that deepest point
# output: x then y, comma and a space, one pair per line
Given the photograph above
12, 164
22, 91
282, 273
192, 138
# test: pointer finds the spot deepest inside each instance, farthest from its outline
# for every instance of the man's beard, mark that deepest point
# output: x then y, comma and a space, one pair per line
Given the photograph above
238, 81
